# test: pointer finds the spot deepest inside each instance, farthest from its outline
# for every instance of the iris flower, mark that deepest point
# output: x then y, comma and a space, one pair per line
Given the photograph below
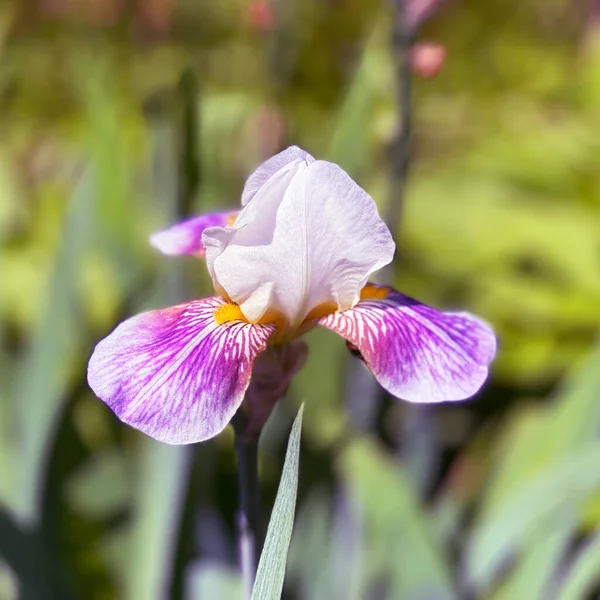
298, 255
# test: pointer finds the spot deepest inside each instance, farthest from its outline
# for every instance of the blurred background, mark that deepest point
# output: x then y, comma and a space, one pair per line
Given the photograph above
119, 117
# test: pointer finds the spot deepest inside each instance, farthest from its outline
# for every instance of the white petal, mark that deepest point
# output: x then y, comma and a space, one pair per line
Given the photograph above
293, 154
311, 235
241, 272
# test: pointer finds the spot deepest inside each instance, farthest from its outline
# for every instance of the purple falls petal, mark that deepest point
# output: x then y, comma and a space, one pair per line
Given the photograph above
286, 158
176, 374
186, 237
416, 352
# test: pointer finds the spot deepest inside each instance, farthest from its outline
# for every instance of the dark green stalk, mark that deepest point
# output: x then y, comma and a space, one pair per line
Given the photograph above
403, 36
416, 438
189, 160
249, 516
363, 394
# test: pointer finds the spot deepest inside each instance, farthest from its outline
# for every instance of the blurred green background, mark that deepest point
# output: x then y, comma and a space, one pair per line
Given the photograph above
120, 116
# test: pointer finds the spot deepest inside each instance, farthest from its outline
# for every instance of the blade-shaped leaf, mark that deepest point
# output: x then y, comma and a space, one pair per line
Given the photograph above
532, 576
271, 567
208, 580
165, 469
164, 477
546, 466
42, 376
584, 573
561, 487
401, 543
327, 554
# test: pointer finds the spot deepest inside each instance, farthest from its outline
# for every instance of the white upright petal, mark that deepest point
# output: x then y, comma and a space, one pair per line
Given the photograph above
266, 170
311, 235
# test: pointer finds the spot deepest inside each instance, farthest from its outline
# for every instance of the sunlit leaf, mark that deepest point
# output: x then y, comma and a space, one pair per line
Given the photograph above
583, 573
271, 567
540, 472
101, 487
561, 487
534, 574
42, 378
401, 541
164, 469
208, 580
326, 557
159, 501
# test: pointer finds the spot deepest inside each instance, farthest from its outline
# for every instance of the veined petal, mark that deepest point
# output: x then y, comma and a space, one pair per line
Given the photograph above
177, 374
416, 352
267, 169
186, 237
311, 236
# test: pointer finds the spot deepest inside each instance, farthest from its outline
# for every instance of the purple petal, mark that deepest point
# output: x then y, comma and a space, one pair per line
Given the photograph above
266, 170
186, 237
177, 374
416, 352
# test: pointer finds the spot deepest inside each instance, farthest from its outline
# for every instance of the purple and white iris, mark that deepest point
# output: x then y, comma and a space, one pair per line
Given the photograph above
298, 254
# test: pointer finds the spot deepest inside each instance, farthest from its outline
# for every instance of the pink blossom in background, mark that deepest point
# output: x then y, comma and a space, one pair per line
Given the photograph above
260, 15
427, 59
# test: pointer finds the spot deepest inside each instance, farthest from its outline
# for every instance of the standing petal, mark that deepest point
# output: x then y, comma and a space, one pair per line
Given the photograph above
416, 352
178, 374
186, 237
266, 170
310, 236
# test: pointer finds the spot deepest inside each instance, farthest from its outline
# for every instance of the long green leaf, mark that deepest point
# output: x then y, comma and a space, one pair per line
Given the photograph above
38, 392
349, 143
400, 539
560, 487
164, 476
327, 554
533, 574
271, 568
584, 573
165, 470
534, 477
205, 579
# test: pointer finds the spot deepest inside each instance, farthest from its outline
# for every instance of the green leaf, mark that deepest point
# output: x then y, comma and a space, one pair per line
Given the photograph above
271, 567
101, 487
327, 554
208, 580
400, 538
584, 572
562, 486
42, 378
349, 141
164, 477
534, 479
533, 574
165, 469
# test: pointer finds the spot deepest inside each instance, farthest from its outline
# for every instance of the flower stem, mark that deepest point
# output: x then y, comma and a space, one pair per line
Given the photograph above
403, 36
249, 519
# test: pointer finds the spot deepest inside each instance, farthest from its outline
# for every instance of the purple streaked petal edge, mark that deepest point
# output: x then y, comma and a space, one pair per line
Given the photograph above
176, 374
418, 353
185, 238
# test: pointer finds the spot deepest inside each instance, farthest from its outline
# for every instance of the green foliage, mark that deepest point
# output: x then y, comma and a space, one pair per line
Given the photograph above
271, 567
100, 145
402, 546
